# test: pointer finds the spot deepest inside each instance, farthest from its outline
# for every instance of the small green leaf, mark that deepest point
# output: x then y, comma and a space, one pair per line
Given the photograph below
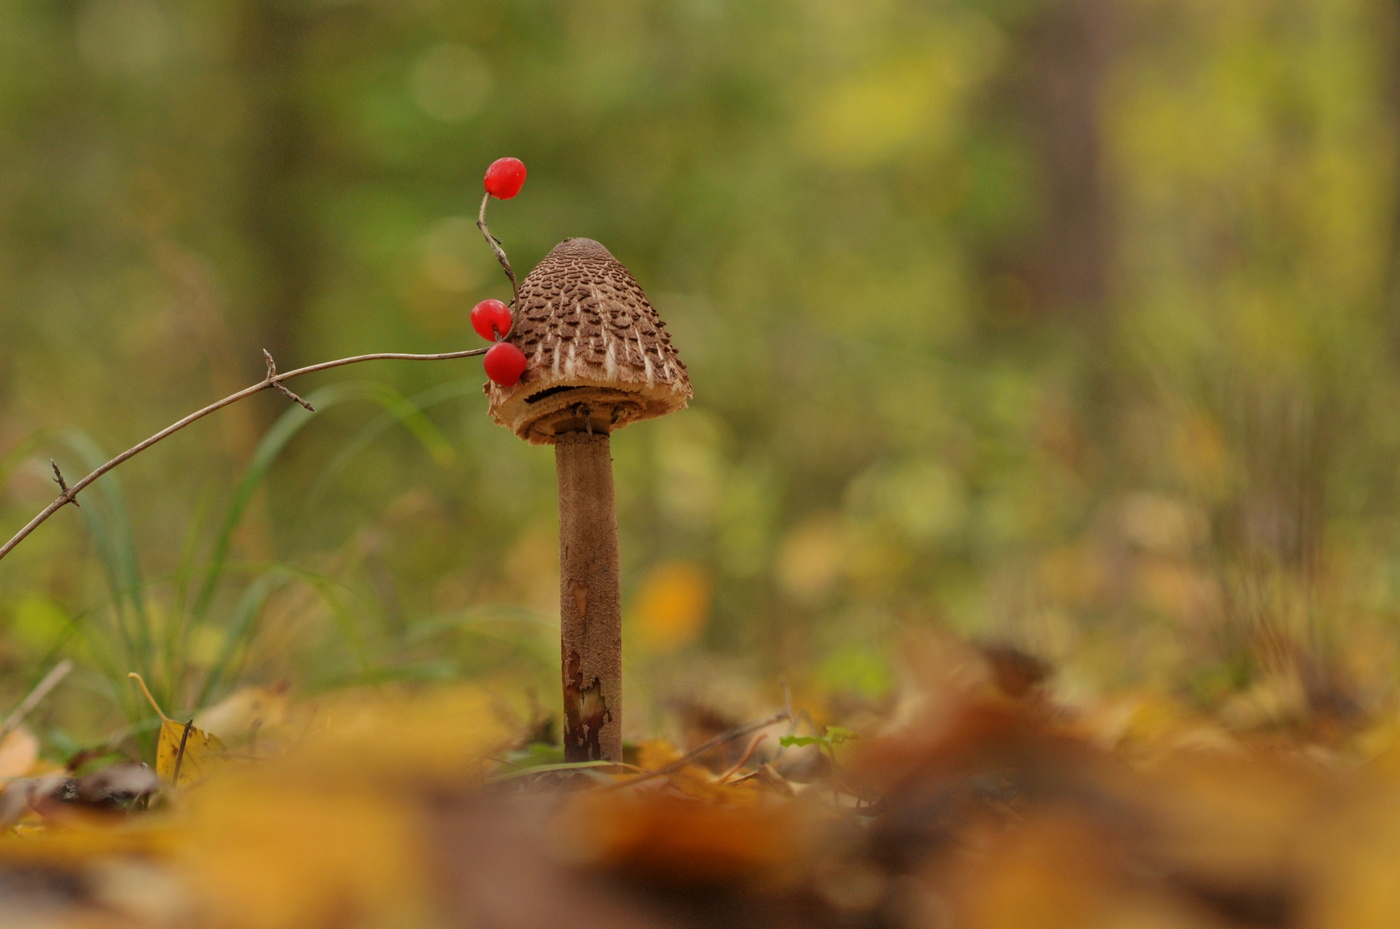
835, 735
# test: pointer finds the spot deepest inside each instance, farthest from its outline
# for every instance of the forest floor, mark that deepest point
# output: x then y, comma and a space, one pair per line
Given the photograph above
973, 799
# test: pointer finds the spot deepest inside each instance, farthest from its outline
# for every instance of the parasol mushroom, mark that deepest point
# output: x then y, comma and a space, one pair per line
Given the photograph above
598, 358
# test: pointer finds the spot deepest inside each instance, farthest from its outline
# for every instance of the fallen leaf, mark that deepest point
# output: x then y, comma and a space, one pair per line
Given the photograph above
281, 848
184, 752
679, 841
247, 715
19, 751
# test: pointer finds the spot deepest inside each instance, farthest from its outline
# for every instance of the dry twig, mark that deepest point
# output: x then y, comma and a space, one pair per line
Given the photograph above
499, 252
40, 691
63, 485
273, 380
688, 757
271, 375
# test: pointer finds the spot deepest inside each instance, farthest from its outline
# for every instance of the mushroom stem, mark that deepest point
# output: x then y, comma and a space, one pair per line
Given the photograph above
590, 598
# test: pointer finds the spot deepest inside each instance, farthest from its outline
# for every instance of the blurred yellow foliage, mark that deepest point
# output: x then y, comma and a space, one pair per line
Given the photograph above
332, 831
811, 558
672, 606
285, 847
992, 809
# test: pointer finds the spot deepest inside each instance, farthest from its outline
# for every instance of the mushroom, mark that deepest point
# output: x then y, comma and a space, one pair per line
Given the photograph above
598, 358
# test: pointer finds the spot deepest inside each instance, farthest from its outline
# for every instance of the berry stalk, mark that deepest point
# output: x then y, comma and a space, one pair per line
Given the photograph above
499, 252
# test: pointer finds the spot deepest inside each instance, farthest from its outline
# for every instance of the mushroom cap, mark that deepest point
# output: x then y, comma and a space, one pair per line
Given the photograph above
598, 357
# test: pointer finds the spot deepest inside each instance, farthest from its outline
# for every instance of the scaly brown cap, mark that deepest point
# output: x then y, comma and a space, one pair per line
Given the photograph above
597, 355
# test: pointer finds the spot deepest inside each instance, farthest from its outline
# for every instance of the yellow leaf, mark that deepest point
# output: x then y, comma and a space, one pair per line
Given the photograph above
450, 733
656, 753
331, 833
184, 753
272, 848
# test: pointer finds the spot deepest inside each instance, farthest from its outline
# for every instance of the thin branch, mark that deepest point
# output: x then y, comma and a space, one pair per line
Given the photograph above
744, 758
40, 691
180, 754
272, 380
63, 486
688, 757
499, 252
271, 375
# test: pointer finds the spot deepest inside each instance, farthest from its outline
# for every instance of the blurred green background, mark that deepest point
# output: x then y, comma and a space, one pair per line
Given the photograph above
1063, 323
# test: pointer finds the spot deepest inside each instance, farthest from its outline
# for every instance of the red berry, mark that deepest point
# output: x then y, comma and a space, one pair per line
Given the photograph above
504, 364
505, 177
491, 320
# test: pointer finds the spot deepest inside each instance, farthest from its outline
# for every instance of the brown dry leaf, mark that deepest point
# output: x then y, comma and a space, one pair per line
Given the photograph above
699, 784
693, 780
683, 842
1055, 871
1236, 817
1148, 725
249, 715
19, 752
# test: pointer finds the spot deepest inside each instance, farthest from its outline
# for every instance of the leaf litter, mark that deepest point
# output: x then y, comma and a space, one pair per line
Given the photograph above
967, 803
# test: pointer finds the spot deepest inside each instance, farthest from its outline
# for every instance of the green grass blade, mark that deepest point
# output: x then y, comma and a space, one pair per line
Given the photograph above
105, 516
240, 630
408, 413
272, 444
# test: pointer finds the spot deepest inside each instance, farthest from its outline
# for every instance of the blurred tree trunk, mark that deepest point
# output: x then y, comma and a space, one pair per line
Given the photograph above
1056, 93
279, 159
1052, 276
1070, 46
275, 227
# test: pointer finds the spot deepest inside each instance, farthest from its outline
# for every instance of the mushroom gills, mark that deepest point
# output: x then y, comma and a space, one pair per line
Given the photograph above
551, 391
